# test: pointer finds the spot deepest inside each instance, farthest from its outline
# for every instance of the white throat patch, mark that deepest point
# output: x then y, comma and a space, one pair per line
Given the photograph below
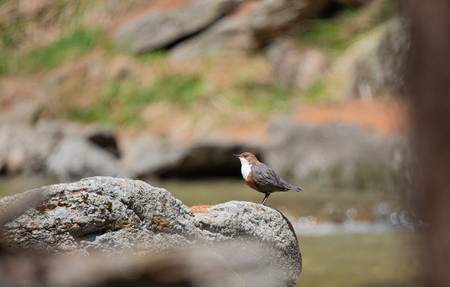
245, 167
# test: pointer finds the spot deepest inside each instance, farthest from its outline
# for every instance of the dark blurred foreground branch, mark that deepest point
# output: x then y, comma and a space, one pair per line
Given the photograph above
202, 266
428, 84
19, 204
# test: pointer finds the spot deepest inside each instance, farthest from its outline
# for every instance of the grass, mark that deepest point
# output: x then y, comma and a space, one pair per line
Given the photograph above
329, 35
325, 34
359, 260
152, 56
121, 103
66, 48
315, 92
334, 35
10, 33
178, 89
74, 40
7, 59
9, 38
261, 97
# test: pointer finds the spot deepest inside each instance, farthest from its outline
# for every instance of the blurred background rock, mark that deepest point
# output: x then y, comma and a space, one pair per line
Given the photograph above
167, 90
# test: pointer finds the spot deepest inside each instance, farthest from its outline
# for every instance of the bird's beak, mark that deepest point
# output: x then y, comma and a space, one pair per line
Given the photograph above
236, 155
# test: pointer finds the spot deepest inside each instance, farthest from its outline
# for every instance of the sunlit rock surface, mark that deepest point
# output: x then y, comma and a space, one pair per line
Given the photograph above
381, 70
336, 154
124, 216
148, 157
293, 67
59, 149
255, 24
160, 29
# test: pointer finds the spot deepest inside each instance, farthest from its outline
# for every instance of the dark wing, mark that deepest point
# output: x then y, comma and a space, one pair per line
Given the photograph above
266, 180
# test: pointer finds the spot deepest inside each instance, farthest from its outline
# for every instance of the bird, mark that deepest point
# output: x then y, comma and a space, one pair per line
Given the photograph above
262, 178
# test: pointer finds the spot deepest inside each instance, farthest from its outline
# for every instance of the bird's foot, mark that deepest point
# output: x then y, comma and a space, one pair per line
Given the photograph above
265, 199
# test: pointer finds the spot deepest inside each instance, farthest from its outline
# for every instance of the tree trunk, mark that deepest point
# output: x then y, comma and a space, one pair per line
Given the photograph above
428, 85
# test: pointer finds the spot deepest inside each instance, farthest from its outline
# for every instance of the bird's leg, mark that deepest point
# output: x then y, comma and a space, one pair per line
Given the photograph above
265, 198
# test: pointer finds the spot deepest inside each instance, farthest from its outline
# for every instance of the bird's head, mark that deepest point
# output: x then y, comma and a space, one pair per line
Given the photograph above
247, 158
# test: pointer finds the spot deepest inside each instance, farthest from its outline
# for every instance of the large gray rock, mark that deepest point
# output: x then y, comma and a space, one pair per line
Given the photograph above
379, 71
22, 100
340, 155
75, 157
293, 67
148, 157
231, 35
259, 22
127, 216
103, 138
160, 29
23, 149
253, 221
58, 149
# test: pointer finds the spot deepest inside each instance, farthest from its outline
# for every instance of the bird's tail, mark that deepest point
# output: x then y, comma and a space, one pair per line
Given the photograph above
294, 188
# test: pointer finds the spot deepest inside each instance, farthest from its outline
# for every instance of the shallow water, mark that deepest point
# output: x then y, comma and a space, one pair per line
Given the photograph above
324, 204
384, 259
307, 227
19, 184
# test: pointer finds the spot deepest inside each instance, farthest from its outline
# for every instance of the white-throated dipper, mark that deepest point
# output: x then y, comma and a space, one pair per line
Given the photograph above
262, 178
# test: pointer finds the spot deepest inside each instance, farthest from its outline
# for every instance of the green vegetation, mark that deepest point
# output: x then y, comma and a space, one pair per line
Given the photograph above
263, 98
359, 260
335, 35
121, 103
152, 57
315, 92
178, 89
9, 33
329, 35
7, 60
66, 48
325, 35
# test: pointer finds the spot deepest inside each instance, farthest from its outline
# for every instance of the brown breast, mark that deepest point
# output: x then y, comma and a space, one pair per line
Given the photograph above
249, 181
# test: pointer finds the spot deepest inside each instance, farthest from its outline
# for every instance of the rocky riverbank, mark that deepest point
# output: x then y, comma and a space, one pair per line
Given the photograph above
342, 155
